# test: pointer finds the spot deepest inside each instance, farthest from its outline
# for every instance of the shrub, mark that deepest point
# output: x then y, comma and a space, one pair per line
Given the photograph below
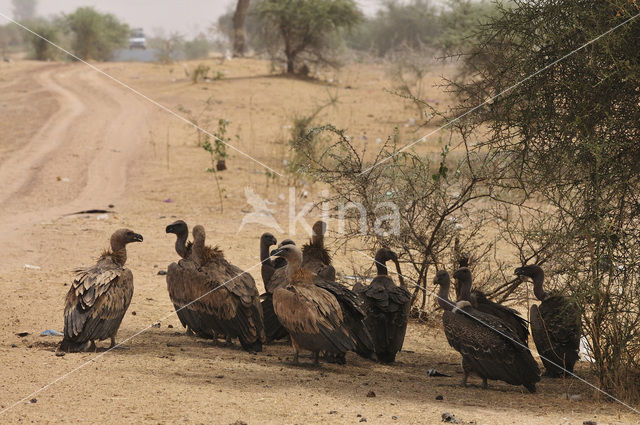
96, 35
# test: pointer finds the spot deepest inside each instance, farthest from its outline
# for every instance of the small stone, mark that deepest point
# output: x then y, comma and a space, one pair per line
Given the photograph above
33, 400
333, 412
22, 334
589, 423
219, 376
439, 397
133, 313
358, 415
60, 353
371, 394
395, 418
162, 272
156, 325
14, 346
170, 326
363, 419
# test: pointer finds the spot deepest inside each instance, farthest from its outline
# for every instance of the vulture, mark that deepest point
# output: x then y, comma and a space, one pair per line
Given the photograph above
479, 301
311, 315
315, 256
224, 294
279, 276
555, 325
272, 326
181, 278
99, 297
487, 345
386, 308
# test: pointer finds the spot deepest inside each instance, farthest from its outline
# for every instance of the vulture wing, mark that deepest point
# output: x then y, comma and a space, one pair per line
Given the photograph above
96, 303
509, 316
387, 313
556, 328
491, 354
313, 318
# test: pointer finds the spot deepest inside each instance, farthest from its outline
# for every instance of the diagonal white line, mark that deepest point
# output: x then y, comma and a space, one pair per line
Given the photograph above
508, 89
93, 359
453, 304
142, 95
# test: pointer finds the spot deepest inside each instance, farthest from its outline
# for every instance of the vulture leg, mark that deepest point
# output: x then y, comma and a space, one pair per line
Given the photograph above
113, 342
316, 358
92, 347
484, 384
296, 350
190, 332
466, 371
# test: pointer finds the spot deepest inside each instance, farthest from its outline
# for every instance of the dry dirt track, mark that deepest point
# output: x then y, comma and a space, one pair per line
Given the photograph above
66, 121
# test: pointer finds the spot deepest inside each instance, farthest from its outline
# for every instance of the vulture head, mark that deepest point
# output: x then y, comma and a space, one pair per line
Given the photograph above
286, 242
463, 283
319, 228
385, 254
529, 271
536, 274
267, 239
291, 253
122, 237
178, 228
443, 280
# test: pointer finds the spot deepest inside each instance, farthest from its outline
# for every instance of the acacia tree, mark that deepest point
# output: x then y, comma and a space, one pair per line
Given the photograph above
566, 141
239, 18
308, 27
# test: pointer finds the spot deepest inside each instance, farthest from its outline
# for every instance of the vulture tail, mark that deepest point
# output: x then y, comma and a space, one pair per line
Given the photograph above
69, 346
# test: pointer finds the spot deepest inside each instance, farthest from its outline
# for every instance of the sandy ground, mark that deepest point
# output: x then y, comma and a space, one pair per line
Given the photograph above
72, 140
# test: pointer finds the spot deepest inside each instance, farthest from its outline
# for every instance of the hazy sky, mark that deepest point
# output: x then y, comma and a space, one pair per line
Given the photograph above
184, 16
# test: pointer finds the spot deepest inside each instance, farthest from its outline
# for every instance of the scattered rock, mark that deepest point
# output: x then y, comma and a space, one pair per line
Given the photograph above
333, 412
239, 423
111, 206
170, 326
156, 325
33, 400
371, 394
14, 346
363, 419
162, 272
60, 353
22, 334
219, 376
133, 313
395, 418
439, 397
589, 423
450, 418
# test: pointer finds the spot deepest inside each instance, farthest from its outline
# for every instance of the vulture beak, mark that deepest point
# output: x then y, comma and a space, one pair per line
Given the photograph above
137, 237
169, 229
518, 271
278, 252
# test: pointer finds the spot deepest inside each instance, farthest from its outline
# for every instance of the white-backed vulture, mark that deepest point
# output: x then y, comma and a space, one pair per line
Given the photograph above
99, 297
555, 325
226, 293
311, 314
182, 278
386, 308
487, 345
479, 301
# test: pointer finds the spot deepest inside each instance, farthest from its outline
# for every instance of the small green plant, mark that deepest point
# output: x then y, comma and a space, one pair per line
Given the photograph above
220, 144
200, 73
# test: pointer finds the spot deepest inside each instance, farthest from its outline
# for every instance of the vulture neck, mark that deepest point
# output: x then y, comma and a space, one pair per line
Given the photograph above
197, 250
465, 290
119, 251
264, 253
443, 297
538, 280
381, 265
317, 240
181, 244
293, 266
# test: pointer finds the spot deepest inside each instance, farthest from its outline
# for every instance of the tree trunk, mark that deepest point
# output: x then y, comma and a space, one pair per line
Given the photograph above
238, 27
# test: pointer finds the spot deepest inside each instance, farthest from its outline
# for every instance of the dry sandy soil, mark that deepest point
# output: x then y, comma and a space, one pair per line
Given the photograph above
73, 140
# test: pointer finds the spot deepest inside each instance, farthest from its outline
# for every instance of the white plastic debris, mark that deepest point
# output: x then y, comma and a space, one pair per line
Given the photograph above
31, 267
102, 217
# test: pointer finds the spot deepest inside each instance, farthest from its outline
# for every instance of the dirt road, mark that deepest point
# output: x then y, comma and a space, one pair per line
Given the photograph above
71, 140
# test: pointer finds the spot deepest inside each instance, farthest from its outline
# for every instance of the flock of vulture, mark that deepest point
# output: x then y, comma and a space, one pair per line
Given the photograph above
304, 303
